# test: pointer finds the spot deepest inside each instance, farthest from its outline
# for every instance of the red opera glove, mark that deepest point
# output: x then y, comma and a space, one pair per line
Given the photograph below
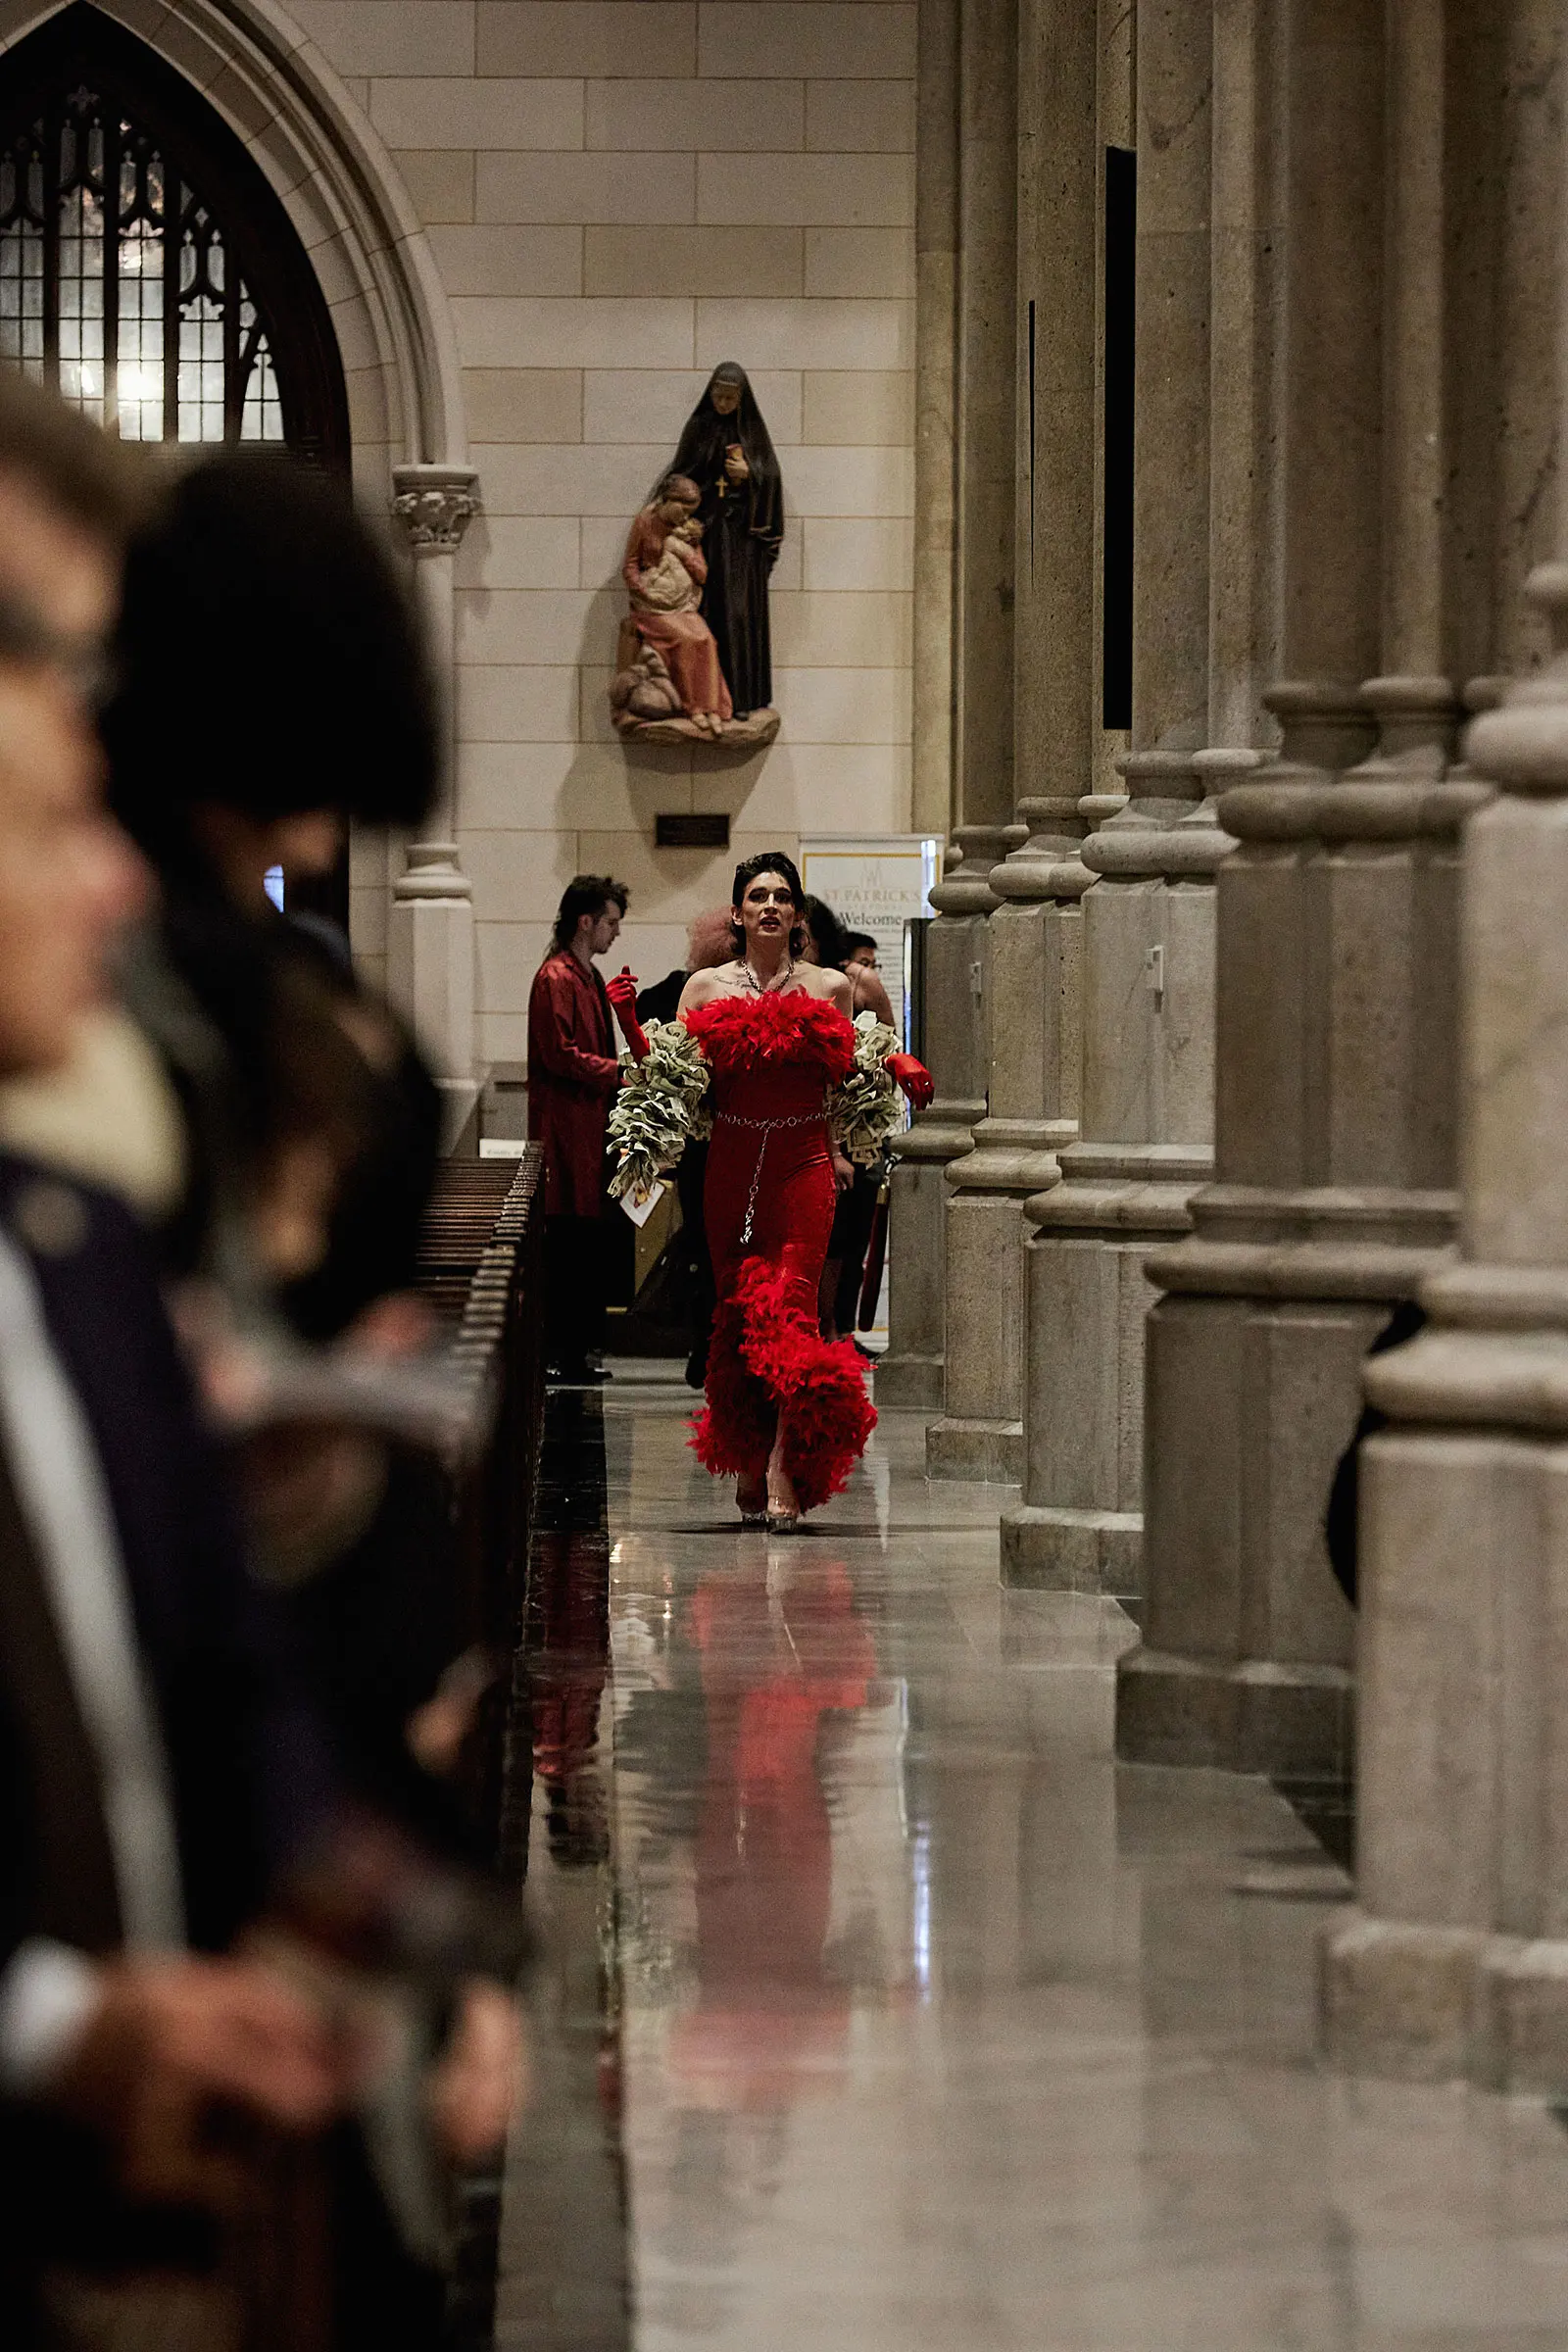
920, 1087
622, 995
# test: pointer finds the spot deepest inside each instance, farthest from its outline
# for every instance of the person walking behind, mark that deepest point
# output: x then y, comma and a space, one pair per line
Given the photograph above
855, 1218
574, 1071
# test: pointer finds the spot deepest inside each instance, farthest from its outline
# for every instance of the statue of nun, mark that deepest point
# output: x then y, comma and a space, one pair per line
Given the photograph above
725, 450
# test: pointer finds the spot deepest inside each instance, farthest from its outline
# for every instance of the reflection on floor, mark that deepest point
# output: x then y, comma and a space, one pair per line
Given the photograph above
936, 2027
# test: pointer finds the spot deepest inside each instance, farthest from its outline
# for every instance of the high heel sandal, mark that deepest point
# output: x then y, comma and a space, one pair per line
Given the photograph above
750, 1515
783, 1523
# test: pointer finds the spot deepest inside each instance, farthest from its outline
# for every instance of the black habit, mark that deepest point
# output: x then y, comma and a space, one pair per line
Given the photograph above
743, 529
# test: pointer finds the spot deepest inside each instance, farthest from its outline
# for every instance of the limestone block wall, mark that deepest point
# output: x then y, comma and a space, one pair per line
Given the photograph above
620, 194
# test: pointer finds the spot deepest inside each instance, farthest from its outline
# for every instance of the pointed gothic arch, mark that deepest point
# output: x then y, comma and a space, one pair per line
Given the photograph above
340, 190
148, 271
303, 129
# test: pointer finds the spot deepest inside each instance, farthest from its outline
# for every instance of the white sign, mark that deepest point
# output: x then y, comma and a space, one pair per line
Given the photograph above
874, 882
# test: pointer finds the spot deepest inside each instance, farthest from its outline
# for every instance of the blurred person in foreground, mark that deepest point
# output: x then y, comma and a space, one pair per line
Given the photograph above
574, 1071
310, 1123
155, 1768
269, 687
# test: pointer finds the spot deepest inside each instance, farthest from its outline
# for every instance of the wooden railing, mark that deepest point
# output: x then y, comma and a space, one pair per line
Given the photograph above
480, 1270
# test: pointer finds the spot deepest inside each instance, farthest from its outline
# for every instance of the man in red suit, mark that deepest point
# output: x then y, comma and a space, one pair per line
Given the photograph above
572, 1075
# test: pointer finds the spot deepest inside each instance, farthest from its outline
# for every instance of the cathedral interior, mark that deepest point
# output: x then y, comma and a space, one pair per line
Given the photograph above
1101, 1885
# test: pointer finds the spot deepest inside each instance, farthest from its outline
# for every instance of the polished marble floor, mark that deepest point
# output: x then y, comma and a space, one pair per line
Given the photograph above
925, 2024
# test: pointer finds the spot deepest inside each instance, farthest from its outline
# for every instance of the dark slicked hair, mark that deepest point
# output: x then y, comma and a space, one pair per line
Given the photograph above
587, 894
268, 658
771, 861
99, 484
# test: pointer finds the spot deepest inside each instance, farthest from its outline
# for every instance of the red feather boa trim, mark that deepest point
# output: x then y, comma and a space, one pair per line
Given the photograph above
747, 1033
767, 1364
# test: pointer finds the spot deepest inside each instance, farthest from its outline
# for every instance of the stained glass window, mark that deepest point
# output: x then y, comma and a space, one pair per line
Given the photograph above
117, 286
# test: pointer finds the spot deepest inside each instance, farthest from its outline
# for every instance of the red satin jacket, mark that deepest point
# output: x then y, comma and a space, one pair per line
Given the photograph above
572, 1075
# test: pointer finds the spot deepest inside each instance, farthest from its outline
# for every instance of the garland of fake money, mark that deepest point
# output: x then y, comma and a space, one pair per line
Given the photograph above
661, 1108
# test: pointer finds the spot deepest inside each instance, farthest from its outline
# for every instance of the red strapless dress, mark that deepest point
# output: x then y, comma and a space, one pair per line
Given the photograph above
768, 1211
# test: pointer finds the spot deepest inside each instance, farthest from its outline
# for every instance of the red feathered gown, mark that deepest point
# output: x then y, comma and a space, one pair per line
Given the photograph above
774, 1059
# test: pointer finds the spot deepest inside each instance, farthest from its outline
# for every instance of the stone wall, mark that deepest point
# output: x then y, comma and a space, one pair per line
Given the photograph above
619, 194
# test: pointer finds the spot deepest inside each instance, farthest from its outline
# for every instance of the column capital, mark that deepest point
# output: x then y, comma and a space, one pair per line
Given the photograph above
1047, 865
965, 887
1168, 826
1522, 746
434, 504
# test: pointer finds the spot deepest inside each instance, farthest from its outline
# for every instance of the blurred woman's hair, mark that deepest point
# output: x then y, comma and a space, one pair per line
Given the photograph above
586, 894
708, 940
268, 660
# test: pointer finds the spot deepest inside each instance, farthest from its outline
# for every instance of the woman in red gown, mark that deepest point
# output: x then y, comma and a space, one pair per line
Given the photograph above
786, 1413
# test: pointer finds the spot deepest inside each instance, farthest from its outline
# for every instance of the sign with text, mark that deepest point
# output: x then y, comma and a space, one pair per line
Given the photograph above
875, 883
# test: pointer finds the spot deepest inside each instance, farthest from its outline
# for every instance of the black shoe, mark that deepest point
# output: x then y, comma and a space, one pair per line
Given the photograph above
577, 1375
697, 1368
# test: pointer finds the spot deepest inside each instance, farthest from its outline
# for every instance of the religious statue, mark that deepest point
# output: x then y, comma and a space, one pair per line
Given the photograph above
696, 657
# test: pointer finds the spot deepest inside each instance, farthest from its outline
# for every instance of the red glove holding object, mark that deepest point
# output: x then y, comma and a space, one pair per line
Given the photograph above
920, 1087
622, 995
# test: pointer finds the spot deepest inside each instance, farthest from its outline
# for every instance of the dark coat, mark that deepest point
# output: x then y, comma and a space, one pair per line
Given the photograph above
743, 529
251, 1780
573, 1076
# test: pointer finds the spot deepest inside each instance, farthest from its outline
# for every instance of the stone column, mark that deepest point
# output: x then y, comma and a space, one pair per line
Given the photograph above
969, 217
936, 409
909, 1372
1036, 933
1457, 1961
1147, 1108
430, 970
1337, 949
988, 70
957, 1048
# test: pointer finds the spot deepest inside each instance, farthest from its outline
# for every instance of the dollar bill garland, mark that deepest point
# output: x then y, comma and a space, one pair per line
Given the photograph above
658, 1110
867, 1109
661, 1108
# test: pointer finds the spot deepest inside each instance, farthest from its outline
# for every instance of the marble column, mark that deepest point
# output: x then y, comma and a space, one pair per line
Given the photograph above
957, 1050
1455, 1962
1459, 1960
430, 966
936, 409
963, 728
1147, 942
1032, 957
1036, 931
988, 205
1336, 948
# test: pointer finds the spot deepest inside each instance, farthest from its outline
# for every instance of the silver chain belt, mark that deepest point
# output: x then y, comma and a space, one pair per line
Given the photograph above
764, 1127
